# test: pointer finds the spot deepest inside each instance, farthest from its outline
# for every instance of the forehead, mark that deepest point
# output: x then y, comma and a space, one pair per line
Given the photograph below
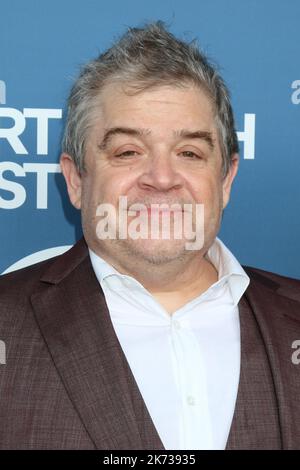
167, 106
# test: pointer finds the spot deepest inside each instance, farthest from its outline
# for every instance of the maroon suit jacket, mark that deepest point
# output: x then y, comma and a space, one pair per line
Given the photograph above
66, 383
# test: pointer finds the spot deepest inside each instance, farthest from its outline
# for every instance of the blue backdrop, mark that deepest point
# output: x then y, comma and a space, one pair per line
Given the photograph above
255, 42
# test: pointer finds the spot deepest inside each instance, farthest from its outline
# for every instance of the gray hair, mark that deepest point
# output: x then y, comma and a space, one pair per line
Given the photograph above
143, 58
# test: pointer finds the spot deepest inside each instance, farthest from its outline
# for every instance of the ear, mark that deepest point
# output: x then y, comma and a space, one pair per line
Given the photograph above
228, 180
72, 178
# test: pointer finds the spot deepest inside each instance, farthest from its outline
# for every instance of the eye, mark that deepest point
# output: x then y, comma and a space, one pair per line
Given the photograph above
126, 153
190, 154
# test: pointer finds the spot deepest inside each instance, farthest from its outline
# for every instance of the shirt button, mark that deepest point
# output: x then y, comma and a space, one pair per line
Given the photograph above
191, 400
177, 324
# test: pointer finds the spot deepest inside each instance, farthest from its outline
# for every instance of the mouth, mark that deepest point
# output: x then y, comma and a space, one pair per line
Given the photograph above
160, 210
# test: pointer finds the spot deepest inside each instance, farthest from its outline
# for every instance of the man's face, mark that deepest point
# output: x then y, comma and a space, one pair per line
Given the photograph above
157, 146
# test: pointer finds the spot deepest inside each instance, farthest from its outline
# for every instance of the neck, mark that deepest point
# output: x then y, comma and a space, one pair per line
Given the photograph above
172, 284
185, 288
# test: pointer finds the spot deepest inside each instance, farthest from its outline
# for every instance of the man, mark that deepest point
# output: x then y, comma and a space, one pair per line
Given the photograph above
149, 342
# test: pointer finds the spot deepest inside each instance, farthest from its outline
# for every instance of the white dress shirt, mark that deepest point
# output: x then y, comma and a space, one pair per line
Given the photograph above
186, 364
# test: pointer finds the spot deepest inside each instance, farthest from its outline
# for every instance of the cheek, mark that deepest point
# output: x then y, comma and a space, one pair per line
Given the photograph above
92, 195
106, 187
208, 191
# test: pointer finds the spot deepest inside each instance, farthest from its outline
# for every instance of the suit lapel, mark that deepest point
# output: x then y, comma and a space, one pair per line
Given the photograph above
72, 314
255, 420
269, 387
279, 322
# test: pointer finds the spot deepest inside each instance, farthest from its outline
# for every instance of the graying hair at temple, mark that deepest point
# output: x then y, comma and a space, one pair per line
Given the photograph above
144, 58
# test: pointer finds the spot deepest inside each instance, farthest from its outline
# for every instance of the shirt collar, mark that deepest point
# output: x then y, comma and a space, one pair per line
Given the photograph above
228, 268
102, 268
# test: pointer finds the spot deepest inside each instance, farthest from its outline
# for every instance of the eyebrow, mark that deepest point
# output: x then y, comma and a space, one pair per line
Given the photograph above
109, 133
201, 135
137, 132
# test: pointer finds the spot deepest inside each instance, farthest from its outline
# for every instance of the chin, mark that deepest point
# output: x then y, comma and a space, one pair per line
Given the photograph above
157, 252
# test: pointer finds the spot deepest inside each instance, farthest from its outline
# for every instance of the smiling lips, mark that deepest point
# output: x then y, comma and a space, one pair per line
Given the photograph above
159, 210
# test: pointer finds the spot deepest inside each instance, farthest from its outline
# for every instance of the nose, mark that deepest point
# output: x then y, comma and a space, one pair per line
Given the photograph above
160, 173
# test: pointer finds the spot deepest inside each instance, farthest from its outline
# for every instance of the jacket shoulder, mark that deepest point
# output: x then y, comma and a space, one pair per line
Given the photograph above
23, 280
283, 285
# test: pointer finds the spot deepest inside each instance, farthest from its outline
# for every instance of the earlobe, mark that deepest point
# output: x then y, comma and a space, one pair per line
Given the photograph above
228, 180
72, 178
